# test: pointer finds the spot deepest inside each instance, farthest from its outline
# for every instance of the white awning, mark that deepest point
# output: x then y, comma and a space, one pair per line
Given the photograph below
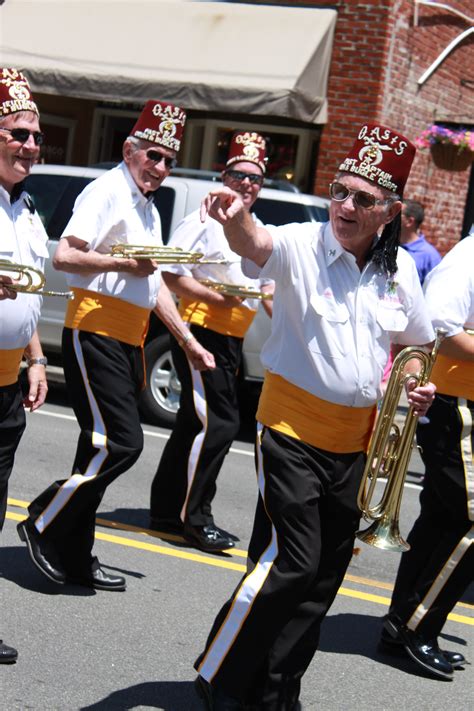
227, 57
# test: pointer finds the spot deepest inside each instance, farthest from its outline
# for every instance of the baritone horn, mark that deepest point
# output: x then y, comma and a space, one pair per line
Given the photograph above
243, 292
161, 254
389, 453
28, 280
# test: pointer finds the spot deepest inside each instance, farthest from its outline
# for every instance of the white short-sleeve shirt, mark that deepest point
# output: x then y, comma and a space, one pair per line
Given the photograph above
23, 241
208, 238
109, 211
332, 324
449, 289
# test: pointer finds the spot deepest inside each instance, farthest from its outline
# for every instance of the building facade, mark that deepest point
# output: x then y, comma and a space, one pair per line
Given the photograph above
405, 63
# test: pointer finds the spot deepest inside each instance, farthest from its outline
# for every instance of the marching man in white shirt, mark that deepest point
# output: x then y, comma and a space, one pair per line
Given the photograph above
208, 418
343, 293
23, 241
439, 566
102, 344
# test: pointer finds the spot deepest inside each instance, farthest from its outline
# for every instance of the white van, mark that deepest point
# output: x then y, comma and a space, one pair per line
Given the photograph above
54, 189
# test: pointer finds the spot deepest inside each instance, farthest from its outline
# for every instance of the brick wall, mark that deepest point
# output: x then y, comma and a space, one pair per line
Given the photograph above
377, 58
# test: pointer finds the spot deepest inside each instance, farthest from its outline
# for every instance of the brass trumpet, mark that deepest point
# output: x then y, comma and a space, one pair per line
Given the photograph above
162, 255
389, 453
243, 292
28, 280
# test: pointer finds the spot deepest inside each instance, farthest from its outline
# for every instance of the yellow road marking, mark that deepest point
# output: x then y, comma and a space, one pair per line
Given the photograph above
226, 563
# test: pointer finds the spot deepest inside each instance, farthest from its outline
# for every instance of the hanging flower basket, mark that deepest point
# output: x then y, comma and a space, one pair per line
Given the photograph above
450, 149
448, 156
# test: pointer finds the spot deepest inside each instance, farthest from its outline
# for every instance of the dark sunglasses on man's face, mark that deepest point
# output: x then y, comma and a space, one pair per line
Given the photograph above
22, 135
240, 175
157, 157
339, 192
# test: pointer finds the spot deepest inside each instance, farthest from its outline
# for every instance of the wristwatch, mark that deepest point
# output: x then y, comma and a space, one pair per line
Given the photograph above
36, 361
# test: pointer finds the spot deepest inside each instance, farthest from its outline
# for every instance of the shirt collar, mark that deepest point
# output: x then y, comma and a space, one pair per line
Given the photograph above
16, 194
332, 248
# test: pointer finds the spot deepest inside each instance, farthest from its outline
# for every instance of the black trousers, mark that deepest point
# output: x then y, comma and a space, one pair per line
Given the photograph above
206, 425
103, 377
12, 426
437, 569
265, 636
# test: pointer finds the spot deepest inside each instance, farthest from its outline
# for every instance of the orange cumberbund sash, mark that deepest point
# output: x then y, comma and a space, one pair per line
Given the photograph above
107, 316
293, 411
10, 365
230, 322
453, 377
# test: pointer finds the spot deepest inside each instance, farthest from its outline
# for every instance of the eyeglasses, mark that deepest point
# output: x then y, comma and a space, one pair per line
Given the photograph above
340, 192
240, 175
157, 157
22, 135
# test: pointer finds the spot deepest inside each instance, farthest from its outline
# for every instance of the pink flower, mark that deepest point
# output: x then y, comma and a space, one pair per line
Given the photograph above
463, 138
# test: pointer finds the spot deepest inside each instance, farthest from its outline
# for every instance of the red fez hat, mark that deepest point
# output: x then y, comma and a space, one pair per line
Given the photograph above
247, 146
382, 156
15, 93
162, 123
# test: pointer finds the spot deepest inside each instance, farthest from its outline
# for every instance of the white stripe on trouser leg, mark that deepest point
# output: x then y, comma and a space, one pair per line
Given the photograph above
245, 595
99, 442
466, 454
200, 408
443, 577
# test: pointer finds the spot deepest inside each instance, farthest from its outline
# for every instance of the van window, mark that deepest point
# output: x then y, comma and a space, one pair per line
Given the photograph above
278, 212
54, 197
164, 200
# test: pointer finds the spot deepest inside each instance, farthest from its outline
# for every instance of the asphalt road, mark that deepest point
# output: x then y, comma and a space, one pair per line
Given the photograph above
134, 650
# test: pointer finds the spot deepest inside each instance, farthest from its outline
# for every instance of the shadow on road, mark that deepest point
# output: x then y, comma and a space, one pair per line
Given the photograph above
16, 566
350, 633
166, 695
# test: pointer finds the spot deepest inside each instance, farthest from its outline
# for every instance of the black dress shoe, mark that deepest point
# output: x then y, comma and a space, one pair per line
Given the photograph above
226, 534
166, 525
8, 655
214, 699
41, 552
98, 579
390, 644
428, 656
207, 538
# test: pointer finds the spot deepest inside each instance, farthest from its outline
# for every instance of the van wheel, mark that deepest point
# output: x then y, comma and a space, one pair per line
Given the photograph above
159, 402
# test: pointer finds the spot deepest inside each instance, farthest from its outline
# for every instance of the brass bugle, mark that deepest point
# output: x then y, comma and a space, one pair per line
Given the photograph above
390, 450
28, 280
161, 254
244, 292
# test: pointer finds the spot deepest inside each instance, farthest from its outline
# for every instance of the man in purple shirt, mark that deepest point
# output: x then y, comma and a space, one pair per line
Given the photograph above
413, 240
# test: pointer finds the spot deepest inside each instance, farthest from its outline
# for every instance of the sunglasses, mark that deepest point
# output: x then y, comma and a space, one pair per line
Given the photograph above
340, 192
240, 175
22, 135
157, 157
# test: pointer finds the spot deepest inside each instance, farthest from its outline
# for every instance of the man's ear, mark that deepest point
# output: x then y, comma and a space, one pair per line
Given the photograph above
127, 150
393, 210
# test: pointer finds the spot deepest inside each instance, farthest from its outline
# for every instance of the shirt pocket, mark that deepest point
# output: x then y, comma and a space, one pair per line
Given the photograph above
38, 247
391, 316
328, 320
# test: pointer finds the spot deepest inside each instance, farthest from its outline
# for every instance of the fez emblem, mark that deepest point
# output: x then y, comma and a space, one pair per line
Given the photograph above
167, 127
251, 151
19, 92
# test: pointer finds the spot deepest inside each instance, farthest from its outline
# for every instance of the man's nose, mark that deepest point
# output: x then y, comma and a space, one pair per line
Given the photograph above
349, 203
30, 143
